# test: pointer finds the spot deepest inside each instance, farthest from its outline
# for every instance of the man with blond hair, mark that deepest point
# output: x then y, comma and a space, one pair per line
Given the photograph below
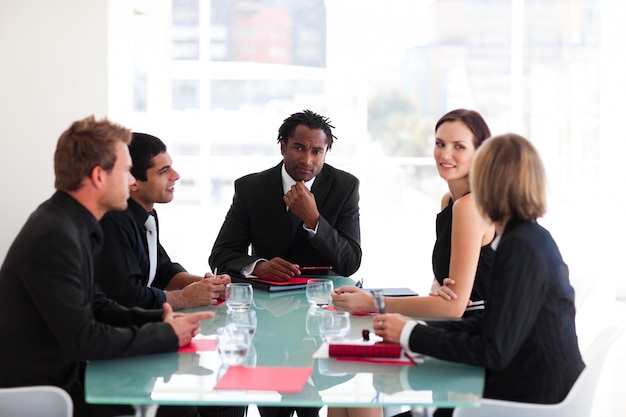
53, 318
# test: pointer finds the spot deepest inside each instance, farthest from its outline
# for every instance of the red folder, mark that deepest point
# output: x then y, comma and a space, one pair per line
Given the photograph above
283, 380
375, 350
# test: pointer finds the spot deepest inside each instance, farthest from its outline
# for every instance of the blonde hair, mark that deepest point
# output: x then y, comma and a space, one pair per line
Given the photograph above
507, 178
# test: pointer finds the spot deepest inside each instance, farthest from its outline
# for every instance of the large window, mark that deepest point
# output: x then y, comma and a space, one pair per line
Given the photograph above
215, 78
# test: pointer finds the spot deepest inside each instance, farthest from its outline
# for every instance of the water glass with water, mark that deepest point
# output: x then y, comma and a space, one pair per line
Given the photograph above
238, 296
334, 325
319, 292
312, 323
245, 319
233, 344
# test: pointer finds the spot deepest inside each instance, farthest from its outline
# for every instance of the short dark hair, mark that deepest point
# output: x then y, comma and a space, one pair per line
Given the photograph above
86, 144
311, 120
470, 118
142, 149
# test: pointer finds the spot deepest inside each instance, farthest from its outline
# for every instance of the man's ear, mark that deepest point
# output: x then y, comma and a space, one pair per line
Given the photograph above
134, 186
283, 148
97, 176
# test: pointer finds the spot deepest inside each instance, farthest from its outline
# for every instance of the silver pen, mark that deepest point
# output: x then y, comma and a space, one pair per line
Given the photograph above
379, 300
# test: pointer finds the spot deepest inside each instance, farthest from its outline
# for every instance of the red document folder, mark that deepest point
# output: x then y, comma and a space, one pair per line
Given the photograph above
375, 350
198, 345
284, 380
296, 283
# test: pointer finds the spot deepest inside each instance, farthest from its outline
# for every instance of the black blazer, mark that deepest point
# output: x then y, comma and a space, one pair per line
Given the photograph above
526, 337
258, 217
53, 318
123, 266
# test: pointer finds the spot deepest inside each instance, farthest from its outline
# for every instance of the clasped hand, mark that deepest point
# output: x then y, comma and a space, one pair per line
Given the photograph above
276, 269
445, 291
208, 290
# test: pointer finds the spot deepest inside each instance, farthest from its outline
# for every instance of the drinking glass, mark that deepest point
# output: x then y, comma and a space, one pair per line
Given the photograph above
250, 359
233, 344
238, 296
334, 325
319, 291
245, 319
313, 321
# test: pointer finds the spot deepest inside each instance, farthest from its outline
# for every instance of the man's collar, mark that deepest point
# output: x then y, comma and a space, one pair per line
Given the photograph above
288, 181
138, 210
78, 211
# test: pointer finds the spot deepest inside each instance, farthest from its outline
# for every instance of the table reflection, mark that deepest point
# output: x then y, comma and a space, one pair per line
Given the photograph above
287, 335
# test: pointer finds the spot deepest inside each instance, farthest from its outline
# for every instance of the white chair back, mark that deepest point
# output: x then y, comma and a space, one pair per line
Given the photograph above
35, 401
579, 400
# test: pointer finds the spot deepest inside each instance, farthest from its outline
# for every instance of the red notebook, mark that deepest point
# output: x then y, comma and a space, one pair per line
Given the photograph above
375, 350
198, 345
296, 283
284, 380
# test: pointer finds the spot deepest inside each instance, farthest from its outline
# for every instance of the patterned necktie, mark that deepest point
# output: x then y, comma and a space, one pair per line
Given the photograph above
151, 235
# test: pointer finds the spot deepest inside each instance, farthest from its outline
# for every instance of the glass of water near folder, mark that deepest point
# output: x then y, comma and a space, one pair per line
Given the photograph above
319, 292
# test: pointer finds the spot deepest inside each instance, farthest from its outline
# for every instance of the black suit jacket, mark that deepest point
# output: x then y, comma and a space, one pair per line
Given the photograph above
258, 218
526, 337
53, 318
123, 266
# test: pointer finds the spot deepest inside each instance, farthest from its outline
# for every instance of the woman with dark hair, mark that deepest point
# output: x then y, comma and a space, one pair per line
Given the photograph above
462, 257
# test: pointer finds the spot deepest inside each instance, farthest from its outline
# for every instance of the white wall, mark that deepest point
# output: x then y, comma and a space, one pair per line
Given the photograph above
53, 70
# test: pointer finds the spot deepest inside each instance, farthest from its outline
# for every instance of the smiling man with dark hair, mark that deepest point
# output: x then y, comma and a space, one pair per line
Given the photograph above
125, 270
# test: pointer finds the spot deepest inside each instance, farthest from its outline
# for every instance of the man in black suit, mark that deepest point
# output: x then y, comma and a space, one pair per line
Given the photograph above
123, 269
53, 318
302, 212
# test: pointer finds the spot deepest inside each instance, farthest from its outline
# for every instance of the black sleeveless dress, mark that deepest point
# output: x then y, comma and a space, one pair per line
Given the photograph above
441, 257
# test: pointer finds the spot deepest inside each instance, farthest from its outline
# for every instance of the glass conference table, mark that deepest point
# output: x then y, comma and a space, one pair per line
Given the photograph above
286, 337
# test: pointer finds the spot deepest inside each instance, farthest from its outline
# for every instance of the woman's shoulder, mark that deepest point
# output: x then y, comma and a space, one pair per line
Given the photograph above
466, 211
445, 200
526, 230
465, 203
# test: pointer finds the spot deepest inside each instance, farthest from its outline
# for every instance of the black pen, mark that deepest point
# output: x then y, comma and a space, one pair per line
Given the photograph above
359, 283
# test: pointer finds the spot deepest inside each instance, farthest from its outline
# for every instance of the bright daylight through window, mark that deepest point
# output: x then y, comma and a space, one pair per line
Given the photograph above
216, 78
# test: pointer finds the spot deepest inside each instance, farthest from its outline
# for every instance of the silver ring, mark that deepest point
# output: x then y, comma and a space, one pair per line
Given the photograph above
380, 324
